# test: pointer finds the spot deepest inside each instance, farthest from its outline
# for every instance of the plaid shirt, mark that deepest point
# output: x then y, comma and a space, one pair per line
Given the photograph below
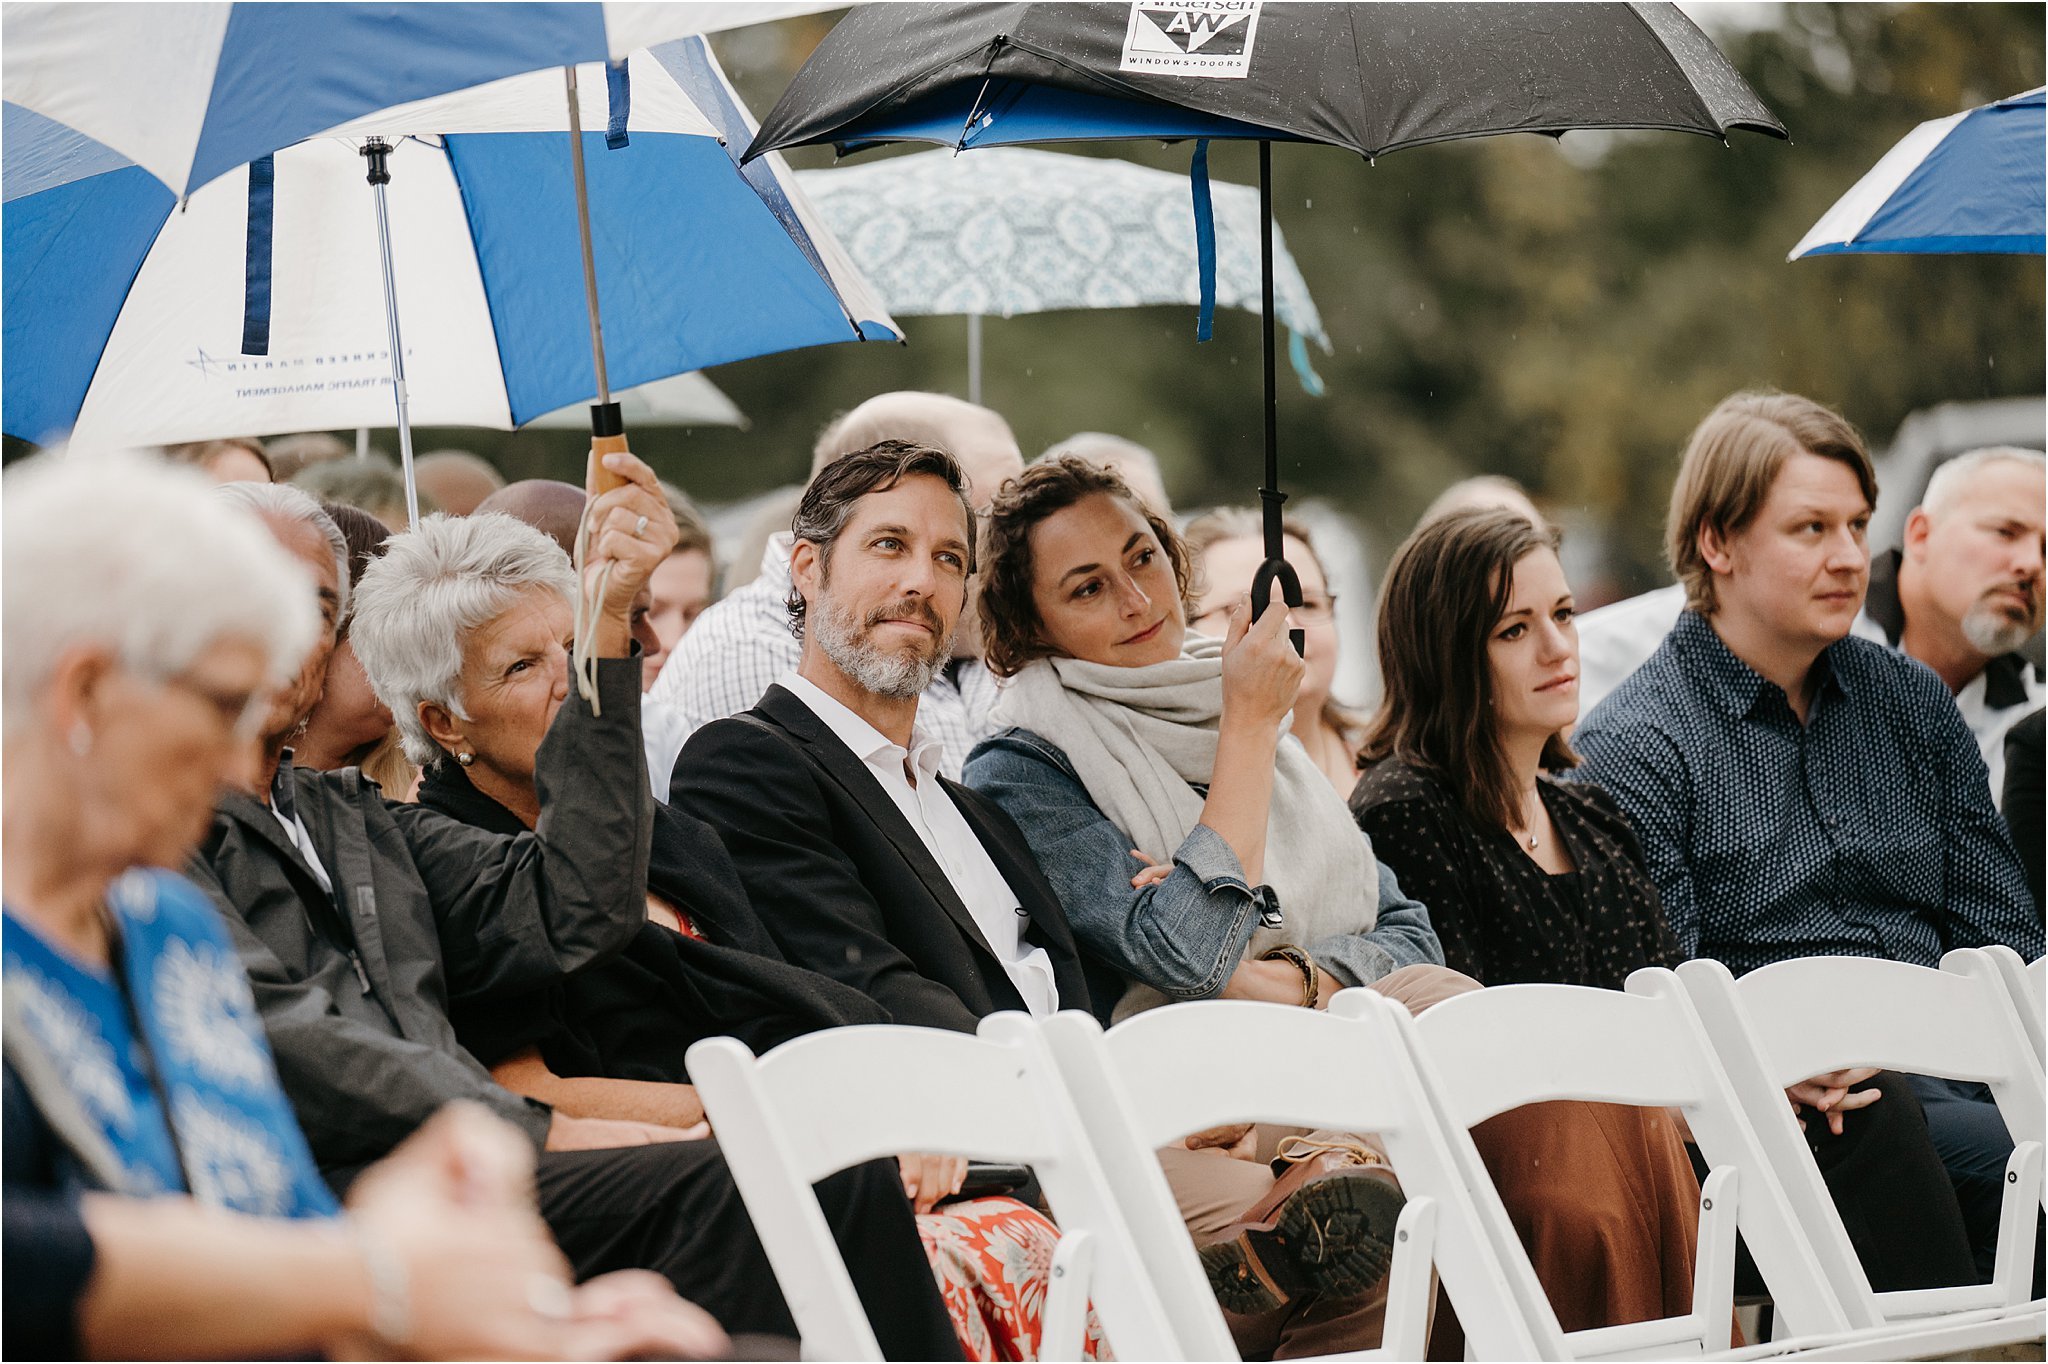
741, 645
1867, 831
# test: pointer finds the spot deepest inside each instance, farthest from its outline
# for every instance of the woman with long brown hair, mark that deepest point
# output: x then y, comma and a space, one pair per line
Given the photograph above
1533, 878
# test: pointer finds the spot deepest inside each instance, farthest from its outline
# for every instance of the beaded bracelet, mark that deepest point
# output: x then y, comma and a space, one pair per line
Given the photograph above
1302, 962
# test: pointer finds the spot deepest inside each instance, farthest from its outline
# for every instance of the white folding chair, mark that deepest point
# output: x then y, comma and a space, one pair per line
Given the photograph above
1485, 1053
1184, 1068
1786, 1022
835, 1098
2022, 984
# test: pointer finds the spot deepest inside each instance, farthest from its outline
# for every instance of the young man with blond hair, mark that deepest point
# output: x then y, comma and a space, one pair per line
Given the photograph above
1800, 791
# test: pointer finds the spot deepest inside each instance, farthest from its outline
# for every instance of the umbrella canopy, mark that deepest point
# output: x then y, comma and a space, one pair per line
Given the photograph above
679, 400
1015, 231
191, 90
258, 306
1371, 77
1969, 182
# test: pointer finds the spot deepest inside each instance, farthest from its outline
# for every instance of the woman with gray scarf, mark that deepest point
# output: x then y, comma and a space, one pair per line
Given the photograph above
1200, 853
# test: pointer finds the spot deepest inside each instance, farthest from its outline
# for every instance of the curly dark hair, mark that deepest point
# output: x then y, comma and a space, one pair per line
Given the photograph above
1009, 615
827, 503
1444, 593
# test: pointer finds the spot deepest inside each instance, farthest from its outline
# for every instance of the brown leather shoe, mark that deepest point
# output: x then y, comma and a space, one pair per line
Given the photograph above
1326, 1227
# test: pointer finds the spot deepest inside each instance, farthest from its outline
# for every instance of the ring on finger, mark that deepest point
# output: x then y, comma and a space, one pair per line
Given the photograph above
640, 526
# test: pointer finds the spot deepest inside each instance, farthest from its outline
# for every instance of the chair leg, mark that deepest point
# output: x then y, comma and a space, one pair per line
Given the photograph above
2018, 1223
1063, 1331
1713, 1273
1411, 1290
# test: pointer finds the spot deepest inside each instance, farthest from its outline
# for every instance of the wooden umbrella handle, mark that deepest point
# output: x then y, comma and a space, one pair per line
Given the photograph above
597, 479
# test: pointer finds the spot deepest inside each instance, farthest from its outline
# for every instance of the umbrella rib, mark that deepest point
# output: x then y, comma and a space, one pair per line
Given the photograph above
1686, 79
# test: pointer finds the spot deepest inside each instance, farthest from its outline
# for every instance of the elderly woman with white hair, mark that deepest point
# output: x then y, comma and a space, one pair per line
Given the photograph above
160, 1198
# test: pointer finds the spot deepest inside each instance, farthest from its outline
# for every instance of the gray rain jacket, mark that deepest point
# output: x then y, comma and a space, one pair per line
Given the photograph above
355, 987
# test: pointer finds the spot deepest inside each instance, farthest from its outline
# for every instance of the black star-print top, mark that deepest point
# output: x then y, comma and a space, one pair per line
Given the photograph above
1503, 919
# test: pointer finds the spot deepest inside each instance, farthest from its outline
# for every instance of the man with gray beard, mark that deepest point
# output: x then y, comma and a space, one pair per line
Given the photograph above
865, 861
1964, 593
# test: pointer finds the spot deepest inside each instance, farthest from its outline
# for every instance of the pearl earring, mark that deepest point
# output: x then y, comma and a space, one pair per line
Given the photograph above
465, 759
81, 738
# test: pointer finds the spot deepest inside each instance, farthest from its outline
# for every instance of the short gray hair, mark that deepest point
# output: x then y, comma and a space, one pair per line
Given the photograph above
184, 571
434, 584
1134, 463
1951, 477
289, 504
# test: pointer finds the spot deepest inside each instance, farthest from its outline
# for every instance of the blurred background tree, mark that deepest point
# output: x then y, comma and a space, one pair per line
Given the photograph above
1559, 311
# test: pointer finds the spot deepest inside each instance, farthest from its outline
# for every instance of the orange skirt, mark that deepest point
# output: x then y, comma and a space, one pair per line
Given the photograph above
1606, 1203
992, 1258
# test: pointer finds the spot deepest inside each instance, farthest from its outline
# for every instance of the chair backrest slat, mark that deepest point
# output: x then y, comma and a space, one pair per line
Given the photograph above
1874, 1013
845, 1110
1511, 1045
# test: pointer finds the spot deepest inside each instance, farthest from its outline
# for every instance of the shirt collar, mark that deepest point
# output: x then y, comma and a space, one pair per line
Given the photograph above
867, 742
775, 555
1881, 597
2005, 682
1734, 686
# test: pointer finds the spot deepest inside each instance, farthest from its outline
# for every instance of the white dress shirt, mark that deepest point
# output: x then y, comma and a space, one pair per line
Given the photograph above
946, 834
302, 838
742, 644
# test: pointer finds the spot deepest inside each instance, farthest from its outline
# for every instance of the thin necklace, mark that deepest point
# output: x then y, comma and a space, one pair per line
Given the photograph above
1529, 818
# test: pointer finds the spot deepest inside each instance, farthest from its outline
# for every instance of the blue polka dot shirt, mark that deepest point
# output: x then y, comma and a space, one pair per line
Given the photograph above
1868, 831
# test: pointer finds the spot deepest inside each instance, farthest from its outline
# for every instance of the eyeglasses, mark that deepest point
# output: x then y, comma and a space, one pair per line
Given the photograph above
1315, 609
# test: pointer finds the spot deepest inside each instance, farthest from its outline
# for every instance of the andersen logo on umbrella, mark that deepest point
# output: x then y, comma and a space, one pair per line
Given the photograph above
1210, 38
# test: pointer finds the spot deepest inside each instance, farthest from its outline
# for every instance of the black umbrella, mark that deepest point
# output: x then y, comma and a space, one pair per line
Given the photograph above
1375, 78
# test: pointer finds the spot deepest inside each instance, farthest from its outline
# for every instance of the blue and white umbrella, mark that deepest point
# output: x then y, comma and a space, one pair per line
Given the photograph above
258, 305
1971, 182
193, 89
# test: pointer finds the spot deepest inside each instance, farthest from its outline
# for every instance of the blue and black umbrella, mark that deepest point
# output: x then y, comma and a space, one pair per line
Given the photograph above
1373, 78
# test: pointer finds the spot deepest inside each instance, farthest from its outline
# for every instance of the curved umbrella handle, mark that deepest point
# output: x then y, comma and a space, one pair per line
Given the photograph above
1278, 570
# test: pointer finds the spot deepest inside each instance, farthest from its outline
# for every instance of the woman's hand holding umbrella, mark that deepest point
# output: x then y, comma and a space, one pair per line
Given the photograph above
630, 531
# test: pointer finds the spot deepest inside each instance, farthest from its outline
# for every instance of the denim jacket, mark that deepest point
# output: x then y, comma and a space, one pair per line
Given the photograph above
1184, 935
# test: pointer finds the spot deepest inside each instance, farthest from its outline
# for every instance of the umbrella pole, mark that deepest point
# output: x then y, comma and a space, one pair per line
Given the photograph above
607, 424
378, 152
1276, 568
974, 358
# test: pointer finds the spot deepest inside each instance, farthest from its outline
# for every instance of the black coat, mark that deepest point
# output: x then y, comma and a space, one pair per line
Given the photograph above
842, 881
427, 913
632, 1016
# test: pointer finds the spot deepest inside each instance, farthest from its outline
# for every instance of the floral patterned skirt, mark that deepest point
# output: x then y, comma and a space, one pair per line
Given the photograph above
992, 1258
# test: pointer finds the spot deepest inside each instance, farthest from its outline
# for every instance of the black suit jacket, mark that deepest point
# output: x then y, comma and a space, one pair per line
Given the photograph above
845, 885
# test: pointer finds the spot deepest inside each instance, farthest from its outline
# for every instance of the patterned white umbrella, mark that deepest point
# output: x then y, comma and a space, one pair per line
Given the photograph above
1011, 230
